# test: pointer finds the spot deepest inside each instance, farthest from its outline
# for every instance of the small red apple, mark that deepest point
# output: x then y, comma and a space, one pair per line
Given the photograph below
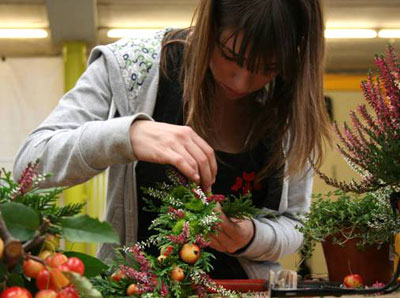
353, 281
46, 294
31, 268
64, 268
43, 280
76, 265
16, 292
56, 259
68, 292
177, 274
190, 253
132, 290
58, 279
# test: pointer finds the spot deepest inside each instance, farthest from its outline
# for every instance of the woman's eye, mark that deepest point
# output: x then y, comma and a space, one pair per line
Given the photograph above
230, 58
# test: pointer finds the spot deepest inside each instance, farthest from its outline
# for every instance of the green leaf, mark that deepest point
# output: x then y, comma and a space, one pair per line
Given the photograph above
21, 221
82, 228
15, 279
83, 285
93, 266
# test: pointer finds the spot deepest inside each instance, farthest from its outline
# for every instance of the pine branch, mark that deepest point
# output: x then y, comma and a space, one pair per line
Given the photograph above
240, 207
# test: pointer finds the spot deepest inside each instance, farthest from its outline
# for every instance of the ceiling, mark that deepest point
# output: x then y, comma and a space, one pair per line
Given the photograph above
91, 19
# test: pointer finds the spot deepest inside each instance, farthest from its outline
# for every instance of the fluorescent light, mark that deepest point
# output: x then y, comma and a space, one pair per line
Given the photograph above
389, 33
350, 33
23, 33
138, 33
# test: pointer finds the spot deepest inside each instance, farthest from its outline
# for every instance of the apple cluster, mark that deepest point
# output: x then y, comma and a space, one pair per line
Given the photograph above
188, 253
48, 271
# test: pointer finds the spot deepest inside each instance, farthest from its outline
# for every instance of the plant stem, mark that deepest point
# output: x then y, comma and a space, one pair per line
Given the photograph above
12, 247
35, 258
39, 237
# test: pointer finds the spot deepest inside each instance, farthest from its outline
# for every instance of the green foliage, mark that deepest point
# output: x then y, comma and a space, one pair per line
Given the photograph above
240, 207
82, 228
20, 220
370, 218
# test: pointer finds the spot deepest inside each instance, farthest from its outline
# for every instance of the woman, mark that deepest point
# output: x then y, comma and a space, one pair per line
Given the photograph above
237, 106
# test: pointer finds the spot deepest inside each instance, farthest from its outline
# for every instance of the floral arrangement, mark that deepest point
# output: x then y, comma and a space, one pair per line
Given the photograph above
31, 226
372, 145
187, 218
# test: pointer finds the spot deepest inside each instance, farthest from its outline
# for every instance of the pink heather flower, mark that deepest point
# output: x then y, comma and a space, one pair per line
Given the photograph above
140, 258
175, 176
176, 239
350, 136
146, 288
201, 291
360, 129
164, 290
176, 213
141, 277
388, 78
28, 176
181, 238
201, 242
185, 230
341, 138
378, 284
391, 59
372, 96
362, 109
217, 198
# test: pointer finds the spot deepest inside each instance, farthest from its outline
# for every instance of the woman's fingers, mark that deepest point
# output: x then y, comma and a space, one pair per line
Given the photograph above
176, 145
216, 244
209, 152
185, 164
205, 171
233, 234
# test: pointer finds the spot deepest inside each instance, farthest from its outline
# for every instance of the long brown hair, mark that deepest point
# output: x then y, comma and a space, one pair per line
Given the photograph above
294, 115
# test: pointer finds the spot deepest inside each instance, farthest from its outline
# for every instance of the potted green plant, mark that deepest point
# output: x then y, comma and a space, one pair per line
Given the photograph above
371, 146
356, 232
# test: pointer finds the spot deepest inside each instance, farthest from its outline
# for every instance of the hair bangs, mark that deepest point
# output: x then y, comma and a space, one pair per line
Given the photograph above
269, 37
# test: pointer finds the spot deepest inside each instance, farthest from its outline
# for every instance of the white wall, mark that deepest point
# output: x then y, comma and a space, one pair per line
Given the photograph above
29, 89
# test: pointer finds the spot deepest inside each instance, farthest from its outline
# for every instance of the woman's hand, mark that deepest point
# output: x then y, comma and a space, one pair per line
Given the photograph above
176, 145
233, 235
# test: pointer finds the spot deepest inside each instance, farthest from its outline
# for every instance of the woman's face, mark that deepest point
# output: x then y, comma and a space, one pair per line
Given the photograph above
233, 80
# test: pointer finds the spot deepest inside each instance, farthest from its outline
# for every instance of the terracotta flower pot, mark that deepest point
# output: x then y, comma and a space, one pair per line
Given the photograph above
372, 264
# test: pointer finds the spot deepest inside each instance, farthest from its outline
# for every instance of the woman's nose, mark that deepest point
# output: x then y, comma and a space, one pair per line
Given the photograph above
242, 79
